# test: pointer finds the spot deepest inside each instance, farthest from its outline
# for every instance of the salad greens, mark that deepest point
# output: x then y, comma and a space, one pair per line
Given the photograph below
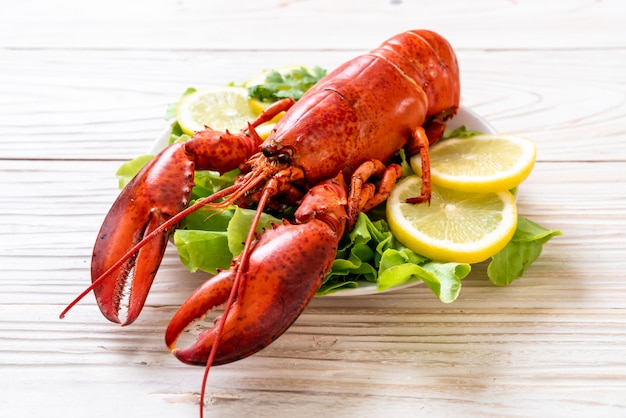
292, 84
371, 253
208, 239
523, 249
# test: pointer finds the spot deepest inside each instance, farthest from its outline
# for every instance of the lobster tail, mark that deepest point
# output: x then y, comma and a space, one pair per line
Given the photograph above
428, 59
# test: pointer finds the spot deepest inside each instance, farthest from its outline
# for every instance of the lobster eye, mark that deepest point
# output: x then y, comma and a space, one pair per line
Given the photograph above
269, 151
284, 156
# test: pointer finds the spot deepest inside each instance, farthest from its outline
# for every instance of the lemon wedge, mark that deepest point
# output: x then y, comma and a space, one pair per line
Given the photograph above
481, 163
220, 107
456, 226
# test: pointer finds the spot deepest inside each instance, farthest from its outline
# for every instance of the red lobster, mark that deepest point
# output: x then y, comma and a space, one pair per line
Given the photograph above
350, 124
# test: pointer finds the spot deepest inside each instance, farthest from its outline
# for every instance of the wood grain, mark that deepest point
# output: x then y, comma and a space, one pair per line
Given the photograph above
83, 88
304, 25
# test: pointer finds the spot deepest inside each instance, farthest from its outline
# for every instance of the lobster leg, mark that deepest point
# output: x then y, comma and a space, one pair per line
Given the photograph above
363, 197
286, 267
419, 144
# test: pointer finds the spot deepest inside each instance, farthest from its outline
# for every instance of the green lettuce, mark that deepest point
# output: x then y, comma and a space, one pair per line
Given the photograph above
523, 249
177, 134
208, 239
127, 170
371, 253
292, 84
460, 132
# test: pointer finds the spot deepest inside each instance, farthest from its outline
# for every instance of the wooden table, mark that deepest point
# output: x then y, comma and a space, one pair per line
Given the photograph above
84, 87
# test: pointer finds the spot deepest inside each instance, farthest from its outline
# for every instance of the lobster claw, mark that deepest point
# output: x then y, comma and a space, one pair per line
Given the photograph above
159, 191
286, 268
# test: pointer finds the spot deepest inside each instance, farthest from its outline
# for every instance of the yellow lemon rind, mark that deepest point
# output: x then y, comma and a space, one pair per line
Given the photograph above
441, 250
501, 180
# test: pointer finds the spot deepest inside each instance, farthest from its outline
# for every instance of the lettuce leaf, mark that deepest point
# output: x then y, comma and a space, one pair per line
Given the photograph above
371, 253
460, 132
170, 111
523, 249
208, 239
203, 250
208, 182
127, 170
202, 240
292, 84
239, 227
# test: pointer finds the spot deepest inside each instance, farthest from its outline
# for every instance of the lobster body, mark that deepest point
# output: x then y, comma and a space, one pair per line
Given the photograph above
333, 108
351, 123
368, 107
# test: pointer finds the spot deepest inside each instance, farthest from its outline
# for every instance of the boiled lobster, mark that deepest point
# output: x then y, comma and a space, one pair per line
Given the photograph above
349, 125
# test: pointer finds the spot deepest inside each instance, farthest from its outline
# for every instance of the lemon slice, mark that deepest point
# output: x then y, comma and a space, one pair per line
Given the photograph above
482, 163
220, 107
455, 226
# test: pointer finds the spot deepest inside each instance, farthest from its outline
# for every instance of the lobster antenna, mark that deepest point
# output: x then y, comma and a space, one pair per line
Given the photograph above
170, 222
237, 286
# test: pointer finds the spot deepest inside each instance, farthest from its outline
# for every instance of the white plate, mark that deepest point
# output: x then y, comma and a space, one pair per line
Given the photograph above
464, 116
471, 121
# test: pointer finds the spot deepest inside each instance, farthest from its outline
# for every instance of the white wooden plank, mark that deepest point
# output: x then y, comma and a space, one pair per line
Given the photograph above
83, 88
103, 104
312, 24
553, 339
